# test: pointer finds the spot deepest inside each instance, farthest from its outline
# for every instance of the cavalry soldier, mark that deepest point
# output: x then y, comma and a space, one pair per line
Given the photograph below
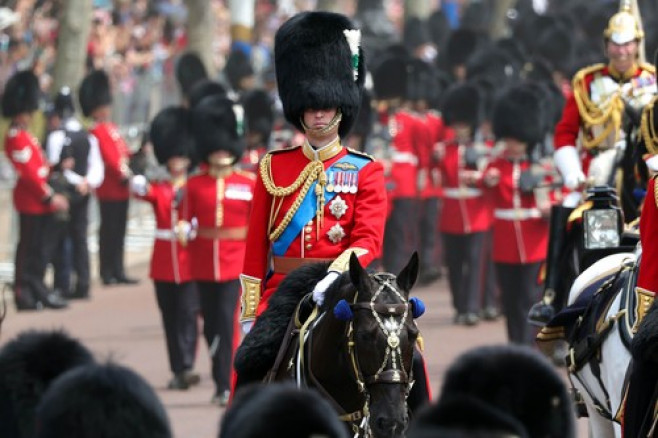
175, 291
34, 199
589, 137
219, 200
113, 194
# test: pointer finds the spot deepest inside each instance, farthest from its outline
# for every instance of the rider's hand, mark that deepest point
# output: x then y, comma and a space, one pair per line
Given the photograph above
322, 286
246, 326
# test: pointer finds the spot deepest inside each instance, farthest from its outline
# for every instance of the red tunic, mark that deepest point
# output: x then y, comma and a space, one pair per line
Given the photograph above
439, 134
25, 153
115, 154
647, 277
170, 260
465, 209
407, 138
362, 222
251, 158
520, 233
222, 204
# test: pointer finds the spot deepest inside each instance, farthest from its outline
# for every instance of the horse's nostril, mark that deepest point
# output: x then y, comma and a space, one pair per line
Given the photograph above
384, 424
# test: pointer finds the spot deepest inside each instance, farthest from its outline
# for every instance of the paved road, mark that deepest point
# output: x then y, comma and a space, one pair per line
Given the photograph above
123, 324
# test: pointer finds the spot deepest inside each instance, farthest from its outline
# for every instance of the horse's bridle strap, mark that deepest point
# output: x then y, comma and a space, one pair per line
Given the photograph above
354, 416
382, 308
388, 376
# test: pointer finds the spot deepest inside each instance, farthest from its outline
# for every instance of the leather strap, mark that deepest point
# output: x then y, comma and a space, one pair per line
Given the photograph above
234, 233
285, 265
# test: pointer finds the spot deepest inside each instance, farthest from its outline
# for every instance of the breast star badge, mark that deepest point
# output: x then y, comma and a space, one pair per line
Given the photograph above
336, 233
338, 207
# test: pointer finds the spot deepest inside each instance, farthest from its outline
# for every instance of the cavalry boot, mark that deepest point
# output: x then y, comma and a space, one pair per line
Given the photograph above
554, 295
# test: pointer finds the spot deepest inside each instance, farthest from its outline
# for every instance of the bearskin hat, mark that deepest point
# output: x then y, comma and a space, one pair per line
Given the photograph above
518, 381
21, 94
101, 397
258, 113
518, 114
317, 68
63, 105
365, 119
203, 89
170, 134
94, 92
28, 365
556, 46
494, 63
422, 81
274, 406
390, 78
462, 103
216, 127
415, 33
238, 66
438, 27
189, 71
462, 43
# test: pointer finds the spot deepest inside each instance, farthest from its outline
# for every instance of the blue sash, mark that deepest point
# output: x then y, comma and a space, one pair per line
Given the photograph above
307, 209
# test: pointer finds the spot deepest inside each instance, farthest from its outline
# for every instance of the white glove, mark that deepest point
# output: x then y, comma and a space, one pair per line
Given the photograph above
323, 285
139, 185
246, 326
567, 162
652, 163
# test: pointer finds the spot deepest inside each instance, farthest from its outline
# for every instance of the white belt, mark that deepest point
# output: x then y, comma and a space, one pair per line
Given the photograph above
461, 193
511, 214
405, 157
163, 234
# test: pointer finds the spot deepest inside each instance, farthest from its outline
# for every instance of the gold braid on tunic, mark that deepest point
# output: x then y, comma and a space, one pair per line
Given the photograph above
647, 128
609, 115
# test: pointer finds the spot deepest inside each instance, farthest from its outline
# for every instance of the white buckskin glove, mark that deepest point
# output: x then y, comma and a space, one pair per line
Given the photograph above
568, 164
652, 163
139, 185
323, 285
246, 326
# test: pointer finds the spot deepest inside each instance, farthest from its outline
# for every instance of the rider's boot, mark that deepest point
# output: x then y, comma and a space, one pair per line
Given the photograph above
554, 295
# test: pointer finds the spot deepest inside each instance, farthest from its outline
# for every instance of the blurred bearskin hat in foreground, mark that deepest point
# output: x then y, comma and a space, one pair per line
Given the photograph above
21, 94
28, 365
106, 400
517, 381
216, 127
518, 114
319, 65
282, 410
170, 134
94, 92
258, 113
189, 71
202, 89
462, 103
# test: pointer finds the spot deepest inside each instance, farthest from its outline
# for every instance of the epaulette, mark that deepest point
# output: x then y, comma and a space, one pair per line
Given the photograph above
279, 151
249, 175
361, 154
655, 190
648, 67
580, 74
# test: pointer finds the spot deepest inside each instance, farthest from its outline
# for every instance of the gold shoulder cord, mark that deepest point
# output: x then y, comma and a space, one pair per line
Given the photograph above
655, 190
647, 129
592, 115
314, 171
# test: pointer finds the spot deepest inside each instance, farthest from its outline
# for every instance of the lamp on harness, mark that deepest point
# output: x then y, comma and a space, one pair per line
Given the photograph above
603, 223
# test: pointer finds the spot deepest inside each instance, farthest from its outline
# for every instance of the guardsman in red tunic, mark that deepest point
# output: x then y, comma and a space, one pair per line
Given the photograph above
175, 291
218, 200
259, 119
34, 199
399, 150
589, 135
521, 209
466, 214
113, 194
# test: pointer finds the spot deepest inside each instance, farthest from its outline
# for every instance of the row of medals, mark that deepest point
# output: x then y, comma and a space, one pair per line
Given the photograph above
342, 182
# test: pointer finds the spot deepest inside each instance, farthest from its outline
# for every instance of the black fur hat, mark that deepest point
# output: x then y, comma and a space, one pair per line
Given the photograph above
28, 365
170, 134
462, 103
202, 89
390, 78
258, 113
94, 92
106, 400
282, 410
438, 27
422, 81
216, 127
63, 105
21, 94
518, 114
462, 43
237, 68
315, 67
556, 46
415, 33
518, 381
189, 71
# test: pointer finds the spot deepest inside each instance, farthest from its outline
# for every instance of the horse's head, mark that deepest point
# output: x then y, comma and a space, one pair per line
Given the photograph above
380, 337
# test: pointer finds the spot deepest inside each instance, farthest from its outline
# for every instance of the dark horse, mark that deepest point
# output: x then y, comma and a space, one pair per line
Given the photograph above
357, 347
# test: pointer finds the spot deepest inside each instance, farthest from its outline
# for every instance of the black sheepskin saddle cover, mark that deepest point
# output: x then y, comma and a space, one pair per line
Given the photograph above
257, 353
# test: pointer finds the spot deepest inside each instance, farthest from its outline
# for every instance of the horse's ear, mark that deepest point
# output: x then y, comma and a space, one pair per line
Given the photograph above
409, 274
357, 273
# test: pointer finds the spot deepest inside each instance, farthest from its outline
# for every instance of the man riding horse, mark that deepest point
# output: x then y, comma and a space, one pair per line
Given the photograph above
590, 140
318, 202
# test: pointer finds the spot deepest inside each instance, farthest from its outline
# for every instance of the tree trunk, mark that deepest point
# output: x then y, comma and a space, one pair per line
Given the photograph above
74, 28
242, 21
376, 28
328, 5
200, 31
417, 8
499, 19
